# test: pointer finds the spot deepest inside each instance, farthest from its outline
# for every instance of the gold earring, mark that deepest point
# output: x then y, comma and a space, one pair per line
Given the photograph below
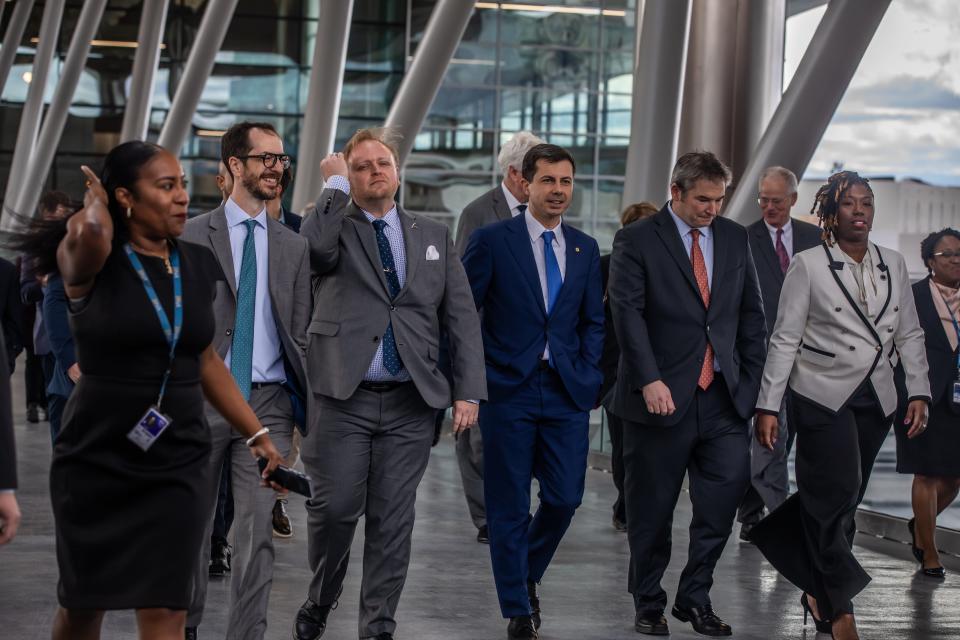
129, 213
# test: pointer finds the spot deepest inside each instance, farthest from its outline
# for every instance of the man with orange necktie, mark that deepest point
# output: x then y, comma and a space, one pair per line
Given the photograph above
688, 316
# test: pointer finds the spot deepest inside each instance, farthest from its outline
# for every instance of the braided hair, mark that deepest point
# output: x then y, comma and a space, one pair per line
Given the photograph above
826, 204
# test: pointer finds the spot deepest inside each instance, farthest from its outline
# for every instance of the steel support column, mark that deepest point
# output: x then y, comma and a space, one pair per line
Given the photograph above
12, 38
808, 104
422, 81
199, 66
153, 20
56, 120
32, 108
655, 107
323, 98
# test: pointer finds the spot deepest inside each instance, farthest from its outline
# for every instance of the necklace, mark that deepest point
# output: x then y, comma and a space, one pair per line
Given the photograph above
165, 258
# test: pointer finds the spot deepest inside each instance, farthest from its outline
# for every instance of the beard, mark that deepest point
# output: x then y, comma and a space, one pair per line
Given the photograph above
251, 182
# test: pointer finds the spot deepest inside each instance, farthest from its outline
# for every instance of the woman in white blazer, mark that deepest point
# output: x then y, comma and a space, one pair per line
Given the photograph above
846, 317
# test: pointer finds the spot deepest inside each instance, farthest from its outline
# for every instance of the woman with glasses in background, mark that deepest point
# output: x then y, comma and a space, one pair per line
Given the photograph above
934, 458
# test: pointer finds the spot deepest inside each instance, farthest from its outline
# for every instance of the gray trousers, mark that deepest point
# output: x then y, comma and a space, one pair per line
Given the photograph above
470, 457
251, 572
769, 476
366, 456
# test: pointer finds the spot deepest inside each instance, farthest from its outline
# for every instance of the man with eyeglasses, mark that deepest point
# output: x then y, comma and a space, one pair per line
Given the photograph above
261, 312
774, 240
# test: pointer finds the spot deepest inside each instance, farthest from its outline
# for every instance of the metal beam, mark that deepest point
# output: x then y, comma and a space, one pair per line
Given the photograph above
323, 98
153, 20
810, 101
12, 38
56, 120
199, 66
32, 108
655, 108
422, 81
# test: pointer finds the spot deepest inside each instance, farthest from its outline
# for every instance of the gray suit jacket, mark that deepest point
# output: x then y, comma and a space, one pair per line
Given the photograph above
289, 277
353, 307
490, 207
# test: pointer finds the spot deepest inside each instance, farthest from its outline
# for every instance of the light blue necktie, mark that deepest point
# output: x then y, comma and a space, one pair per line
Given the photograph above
241, 352
554, 279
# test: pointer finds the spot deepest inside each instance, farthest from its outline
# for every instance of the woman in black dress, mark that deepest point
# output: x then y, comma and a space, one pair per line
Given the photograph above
127, 503
934, 459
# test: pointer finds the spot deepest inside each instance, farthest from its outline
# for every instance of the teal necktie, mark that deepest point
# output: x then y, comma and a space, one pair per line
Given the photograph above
241, 352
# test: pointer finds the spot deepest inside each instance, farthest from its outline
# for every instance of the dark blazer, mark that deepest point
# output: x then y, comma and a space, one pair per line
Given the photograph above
290, 219
941, 359
56, 321
506, 287
488, 208
663, 326
610, 357
8, 448
805, 236
11, 313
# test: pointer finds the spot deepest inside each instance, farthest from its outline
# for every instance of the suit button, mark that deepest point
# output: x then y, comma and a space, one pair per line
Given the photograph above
708, 328
879, 348
890, 330
376, 338
229, 332
836, 309
852, 348
896, 308
393, 308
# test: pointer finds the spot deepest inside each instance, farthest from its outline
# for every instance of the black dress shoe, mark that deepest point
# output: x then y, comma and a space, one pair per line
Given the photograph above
521, 628
383, 636
190, 633
619, 524
483, 535
703, 619
934, 572
311, 621
652, 623
33, 413
745, 530
219, 558
534, 603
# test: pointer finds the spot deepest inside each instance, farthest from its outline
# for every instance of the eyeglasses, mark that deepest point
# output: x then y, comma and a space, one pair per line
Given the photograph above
947, 254
269, 160
777, 202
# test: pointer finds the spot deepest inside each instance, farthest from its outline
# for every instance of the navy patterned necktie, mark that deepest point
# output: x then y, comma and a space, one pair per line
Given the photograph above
241, 349
391, 357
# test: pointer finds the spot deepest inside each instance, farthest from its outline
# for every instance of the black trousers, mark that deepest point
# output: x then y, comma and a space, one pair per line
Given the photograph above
34, 379
615, 429
710, 444
751, 508
809, 538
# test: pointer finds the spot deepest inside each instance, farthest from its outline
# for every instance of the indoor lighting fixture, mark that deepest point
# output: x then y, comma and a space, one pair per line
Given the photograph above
27, 76
210, 133
584, 11
122, 44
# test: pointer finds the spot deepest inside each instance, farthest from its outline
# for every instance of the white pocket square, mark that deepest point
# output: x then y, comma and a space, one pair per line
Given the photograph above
432, 253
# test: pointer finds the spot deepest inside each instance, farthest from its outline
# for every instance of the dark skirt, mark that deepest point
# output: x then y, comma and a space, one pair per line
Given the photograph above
935, 452
809, 538
128, 522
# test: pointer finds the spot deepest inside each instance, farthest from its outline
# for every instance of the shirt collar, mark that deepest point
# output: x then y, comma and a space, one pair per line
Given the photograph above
787, 227
535, 229
237, 216
684, 228
392, 218
512, 202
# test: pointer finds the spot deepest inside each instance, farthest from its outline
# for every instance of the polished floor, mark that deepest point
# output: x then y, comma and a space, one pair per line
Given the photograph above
450, 593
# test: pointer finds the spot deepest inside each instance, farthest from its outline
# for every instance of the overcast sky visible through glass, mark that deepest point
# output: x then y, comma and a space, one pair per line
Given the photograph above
901, 114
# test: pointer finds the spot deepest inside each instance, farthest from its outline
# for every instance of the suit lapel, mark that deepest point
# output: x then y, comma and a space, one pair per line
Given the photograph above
368, 240
275, 262
763, 241
720, 255
670, 236
927, 311
413, 245
518, 240
574, 262
220, 241
500, 206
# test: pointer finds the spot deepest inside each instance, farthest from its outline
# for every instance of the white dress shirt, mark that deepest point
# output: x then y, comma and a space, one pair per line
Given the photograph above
535, 229
267, 348
512, 202
705, 242
787, 236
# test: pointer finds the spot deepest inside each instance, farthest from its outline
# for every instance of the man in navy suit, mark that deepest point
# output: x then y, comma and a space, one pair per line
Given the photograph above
537, 283
689, 319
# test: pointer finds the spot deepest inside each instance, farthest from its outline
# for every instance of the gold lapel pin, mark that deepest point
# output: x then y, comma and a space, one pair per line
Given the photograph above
577, 249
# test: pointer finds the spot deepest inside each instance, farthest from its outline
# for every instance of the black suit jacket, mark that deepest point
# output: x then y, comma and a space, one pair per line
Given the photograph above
8, 449
290, 219
805, 236
11, 312
610, 357
663, 326
941, 358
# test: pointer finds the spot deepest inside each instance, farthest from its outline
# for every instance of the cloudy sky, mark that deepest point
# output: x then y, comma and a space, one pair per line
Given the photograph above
901, 113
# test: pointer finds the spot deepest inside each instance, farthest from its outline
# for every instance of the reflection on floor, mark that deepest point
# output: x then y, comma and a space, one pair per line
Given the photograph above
450, 594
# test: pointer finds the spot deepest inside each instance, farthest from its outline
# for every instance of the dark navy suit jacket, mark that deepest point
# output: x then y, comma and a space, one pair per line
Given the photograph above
506, 287
56, 321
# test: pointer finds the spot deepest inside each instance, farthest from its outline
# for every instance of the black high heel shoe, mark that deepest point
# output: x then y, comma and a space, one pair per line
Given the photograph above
823, 626
930, 572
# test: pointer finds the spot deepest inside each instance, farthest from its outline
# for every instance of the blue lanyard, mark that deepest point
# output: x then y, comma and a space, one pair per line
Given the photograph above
956, 327
171, 333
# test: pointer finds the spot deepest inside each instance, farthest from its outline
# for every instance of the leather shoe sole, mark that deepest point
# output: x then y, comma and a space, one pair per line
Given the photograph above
652, 625
683, 616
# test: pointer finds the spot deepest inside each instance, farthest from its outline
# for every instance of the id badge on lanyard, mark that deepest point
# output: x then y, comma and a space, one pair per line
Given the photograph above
154, 422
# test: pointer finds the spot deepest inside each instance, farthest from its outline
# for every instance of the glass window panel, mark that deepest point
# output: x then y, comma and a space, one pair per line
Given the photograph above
618, 31
255, 41
609, 206
459, 150
550, 28
273, 9
546, 67
561, 111
243, 88
580, 212
442, 195
375, 47
617, 70
615, 114
388, 11
463, 106
364, 94
613, 156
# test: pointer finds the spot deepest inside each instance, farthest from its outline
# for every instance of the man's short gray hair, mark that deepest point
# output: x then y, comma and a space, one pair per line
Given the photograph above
782, 172
513, 150
699, 165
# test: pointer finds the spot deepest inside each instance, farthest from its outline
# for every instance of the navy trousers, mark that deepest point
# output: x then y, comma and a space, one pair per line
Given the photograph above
539, 433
